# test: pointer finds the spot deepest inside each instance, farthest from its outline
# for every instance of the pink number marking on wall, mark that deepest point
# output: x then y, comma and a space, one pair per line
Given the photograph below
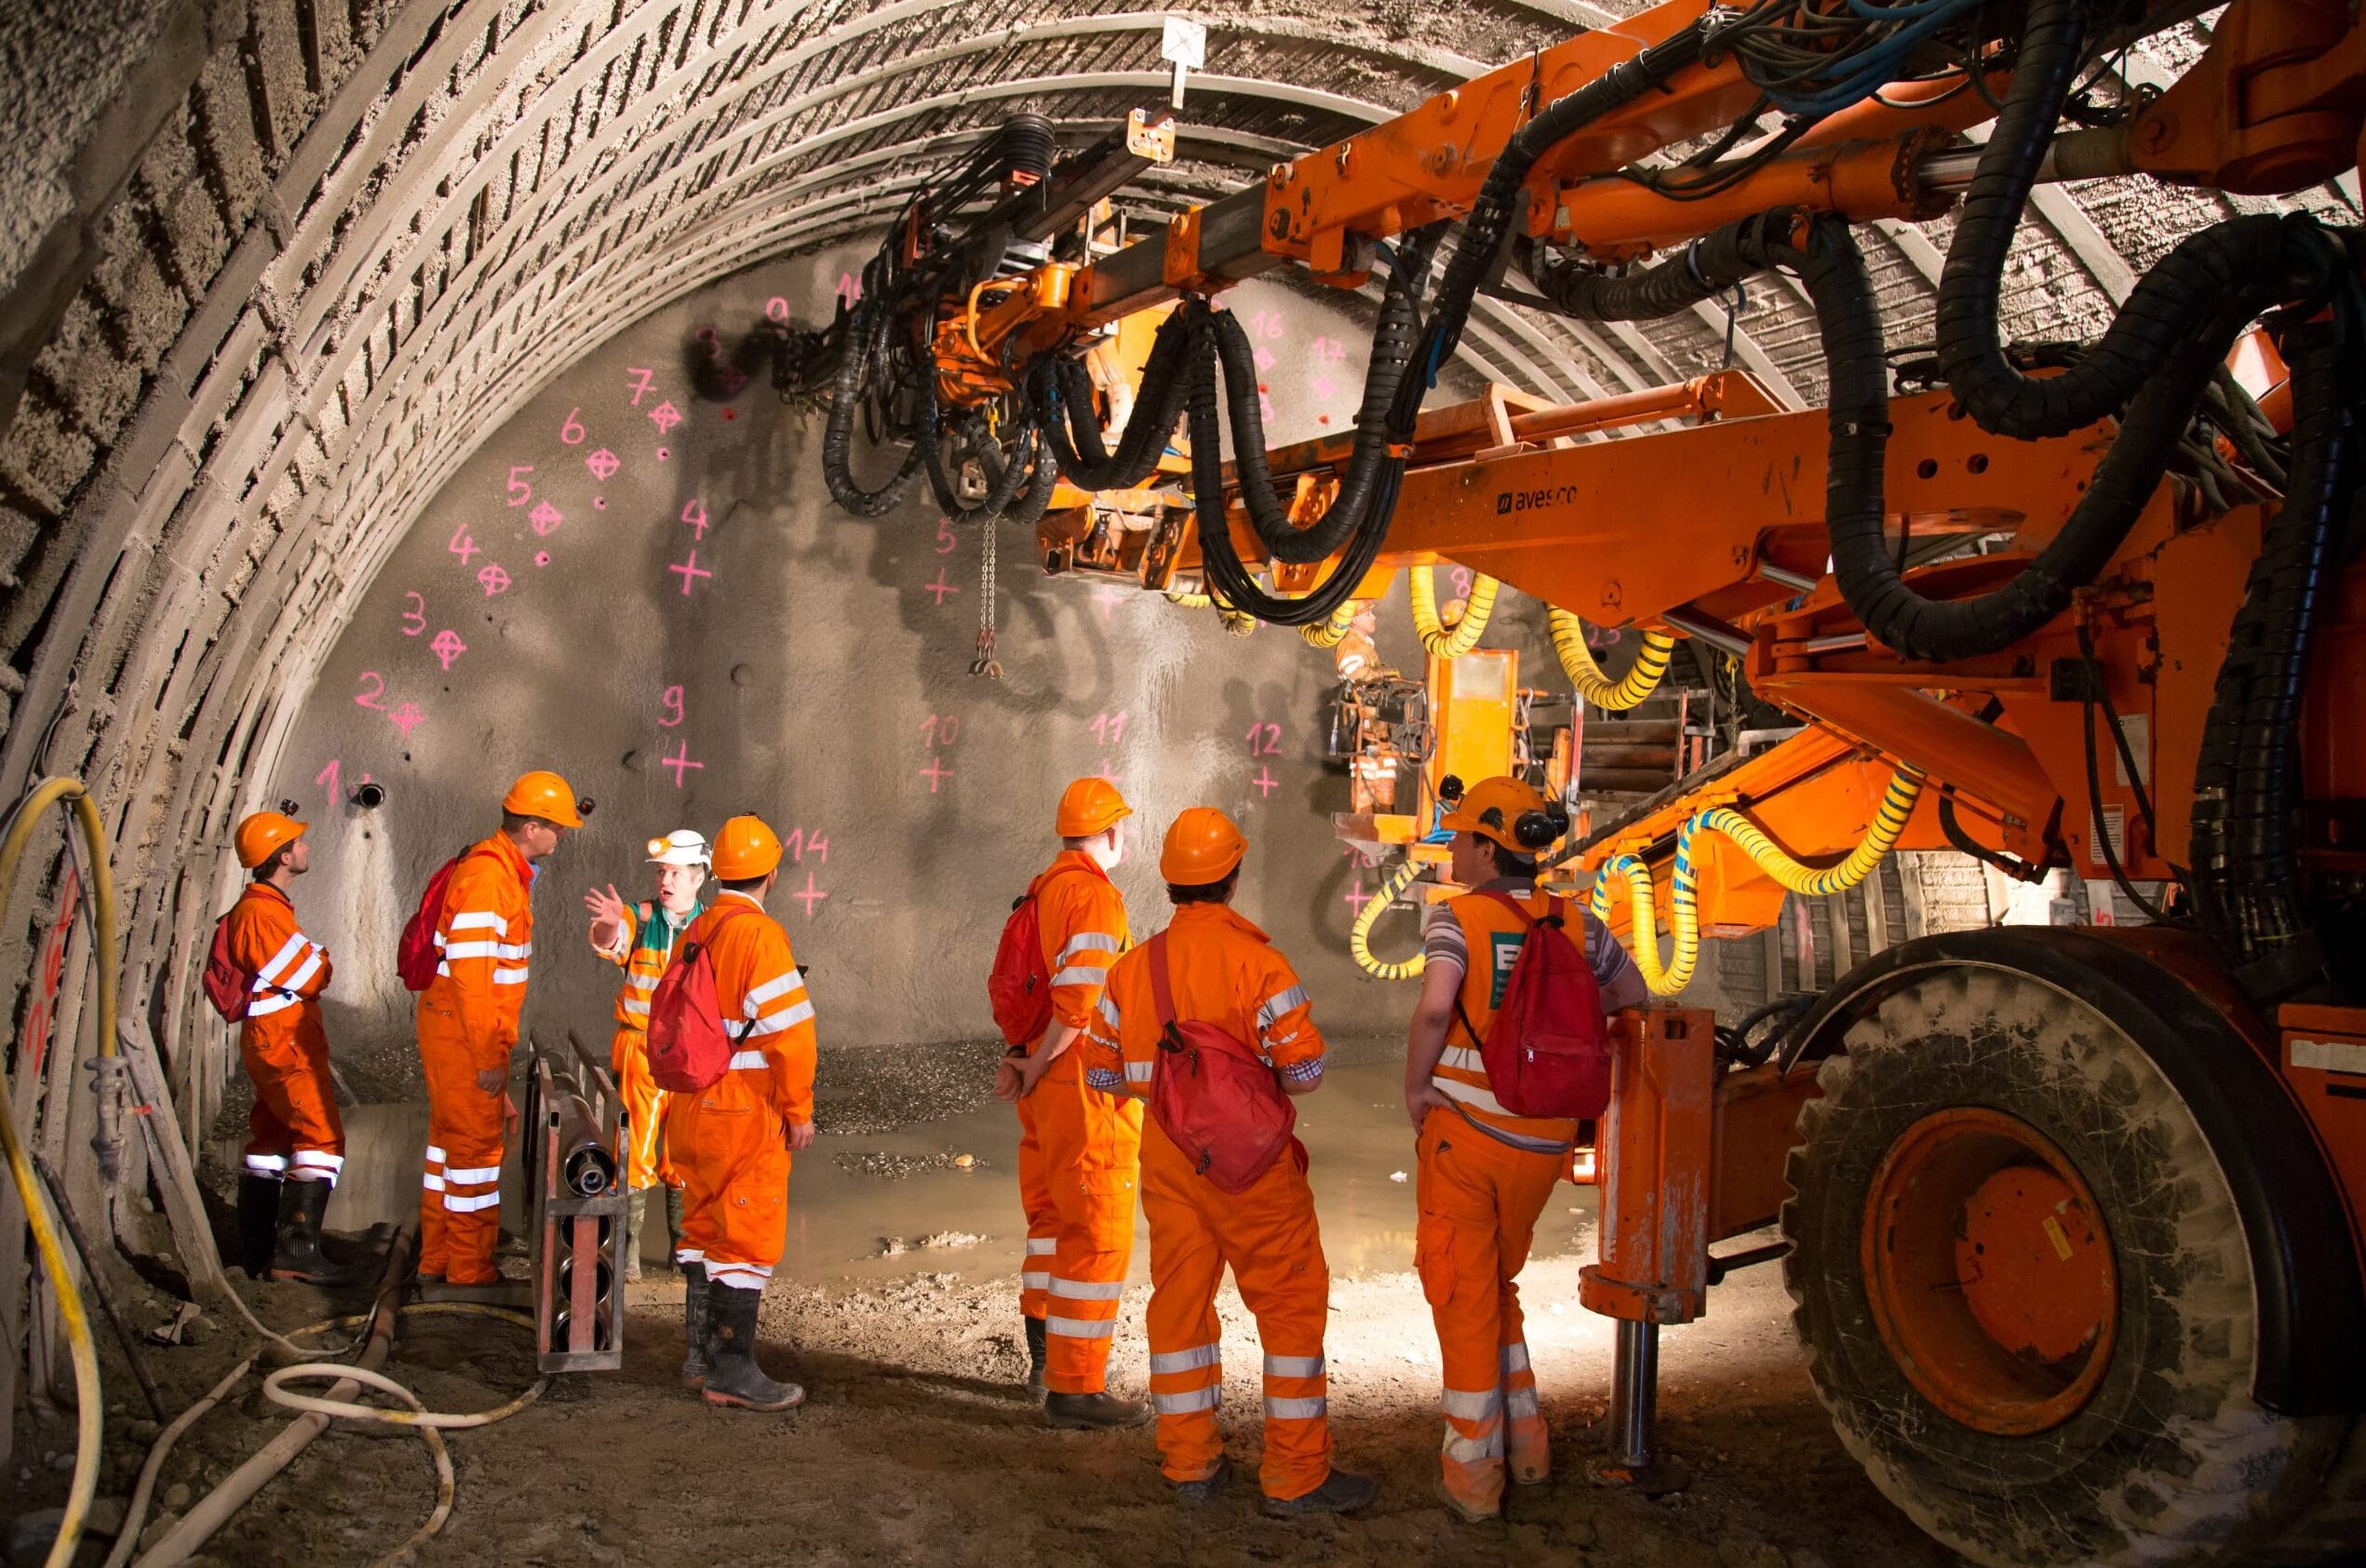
372, 697
671, 703
520, 491
850, 288
570, 430
327, 778
463, 544
1265, 740
694, 515
1462, 579
941, 730
798, 841
776, 308
415, 618
642, 378
945, 542
1108, 728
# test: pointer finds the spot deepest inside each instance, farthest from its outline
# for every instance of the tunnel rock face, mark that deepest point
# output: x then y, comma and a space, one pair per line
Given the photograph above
653, 595
274, 269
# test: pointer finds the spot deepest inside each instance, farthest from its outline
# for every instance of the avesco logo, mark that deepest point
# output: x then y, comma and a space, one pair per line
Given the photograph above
1535, 501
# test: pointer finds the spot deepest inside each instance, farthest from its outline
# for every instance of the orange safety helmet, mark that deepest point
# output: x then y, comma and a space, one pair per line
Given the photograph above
1090, 806
545, 794
1202, 847
745, 847
1498, 808
260, 836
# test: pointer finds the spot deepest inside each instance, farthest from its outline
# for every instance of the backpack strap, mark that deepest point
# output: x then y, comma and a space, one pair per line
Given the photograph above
1162, 987
724, 913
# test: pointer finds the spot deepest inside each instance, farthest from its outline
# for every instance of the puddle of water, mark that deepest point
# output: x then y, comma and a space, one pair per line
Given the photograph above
1354, 1130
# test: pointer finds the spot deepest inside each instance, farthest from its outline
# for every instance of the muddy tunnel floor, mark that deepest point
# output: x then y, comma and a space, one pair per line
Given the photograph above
897, 1309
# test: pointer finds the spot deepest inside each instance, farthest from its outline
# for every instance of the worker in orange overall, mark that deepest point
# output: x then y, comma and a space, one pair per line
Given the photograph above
1080, 1152
1485, 1174
1223, 971
640, 938
468, 1020
730, 1142
295, 1142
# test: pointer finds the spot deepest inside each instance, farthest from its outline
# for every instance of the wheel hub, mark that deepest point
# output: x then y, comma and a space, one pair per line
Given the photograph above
1989, 1271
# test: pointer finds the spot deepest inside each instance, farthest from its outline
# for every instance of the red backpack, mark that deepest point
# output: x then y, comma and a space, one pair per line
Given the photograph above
689, 1045
416, 955
1548, 1051
1210, 1093
228, 987
1019, 987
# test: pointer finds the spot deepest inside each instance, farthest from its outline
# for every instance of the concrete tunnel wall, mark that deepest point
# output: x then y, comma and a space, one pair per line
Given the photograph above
271, 270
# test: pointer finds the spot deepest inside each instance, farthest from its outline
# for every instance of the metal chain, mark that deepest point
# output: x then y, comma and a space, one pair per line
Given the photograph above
986, 664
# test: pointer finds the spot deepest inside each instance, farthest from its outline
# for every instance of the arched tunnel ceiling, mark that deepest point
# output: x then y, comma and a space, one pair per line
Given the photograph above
275, 266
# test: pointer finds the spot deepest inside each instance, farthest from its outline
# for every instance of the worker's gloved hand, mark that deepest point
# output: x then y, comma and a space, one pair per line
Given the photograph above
801, 1135
1421, 1099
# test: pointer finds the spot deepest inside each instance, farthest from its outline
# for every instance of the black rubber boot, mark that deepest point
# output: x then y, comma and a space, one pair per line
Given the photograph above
733, 1376
1036, 1354
674, 1224
635, 1221
302, 1204
258, 1222
695, 1325
1341, 1493
1204, 1491
1095, 1409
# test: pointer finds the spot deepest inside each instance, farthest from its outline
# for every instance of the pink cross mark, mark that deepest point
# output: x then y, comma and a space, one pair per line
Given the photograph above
940, 588
812, 895
665, 417
680, 762
603, 465
1107, 598
407, 718
1357, 898
544, 518
936, 773
1265, 782
689, 570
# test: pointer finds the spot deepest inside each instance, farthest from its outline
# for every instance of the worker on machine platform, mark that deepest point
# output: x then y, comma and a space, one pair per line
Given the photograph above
640, 938
483, 934
731, 1141
1080, 1152
295, 1142
1210, 1024
1485, 1174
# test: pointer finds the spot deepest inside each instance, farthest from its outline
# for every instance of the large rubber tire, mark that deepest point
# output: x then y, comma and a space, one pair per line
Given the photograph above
2170, 1461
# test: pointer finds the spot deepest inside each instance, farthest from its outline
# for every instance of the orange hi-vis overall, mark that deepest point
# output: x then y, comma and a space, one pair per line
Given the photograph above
1484, 1176
728, 1142
468, 1023
644, 951
1224, 972
1080, 1153
294, 1129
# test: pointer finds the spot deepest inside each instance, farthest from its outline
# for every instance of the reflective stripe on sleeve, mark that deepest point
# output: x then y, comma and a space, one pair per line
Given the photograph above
480, 920
264, 1007
786, 1019
756, 998
1279, 1003
1086, 941
472, 950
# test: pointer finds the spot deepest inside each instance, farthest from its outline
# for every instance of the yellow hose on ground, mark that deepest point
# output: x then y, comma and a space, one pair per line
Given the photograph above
1631, 872
1360, 934
1331, 633
1577, 660
1421, 584
89, 1400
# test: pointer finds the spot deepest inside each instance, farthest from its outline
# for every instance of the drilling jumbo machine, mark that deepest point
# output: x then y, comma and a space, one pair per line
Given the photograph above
2071, 1217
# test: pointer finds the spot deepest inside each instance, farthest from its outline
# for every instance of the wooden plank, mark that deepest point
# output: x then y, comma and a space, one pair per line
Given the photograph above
192, 1234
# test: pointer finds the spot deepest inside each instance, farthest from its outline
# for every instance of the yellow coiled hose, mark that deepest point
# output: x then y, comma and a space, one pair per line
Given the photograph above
1464, 635
1331, 633
1360, 934
1568, 641
1629, 871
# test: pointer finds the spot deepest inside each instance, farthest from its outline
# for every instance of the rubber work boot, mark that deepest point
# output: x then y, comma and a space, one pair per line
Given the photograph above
1195, 1493
1341, 1493
1095, 1409
258, 1222
674, 1225
297, 1256
1469, 1513
733, 1376
635, 1220
1036, 1354
695, 1325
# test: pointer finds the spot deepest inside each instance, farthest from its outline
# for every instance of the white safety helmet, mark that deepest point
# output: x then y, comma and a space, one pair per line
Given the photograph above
680, 846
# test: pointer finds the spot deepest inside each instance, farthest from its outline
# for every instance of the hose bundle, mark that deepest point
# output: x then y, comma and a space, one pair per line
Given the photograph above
864, 347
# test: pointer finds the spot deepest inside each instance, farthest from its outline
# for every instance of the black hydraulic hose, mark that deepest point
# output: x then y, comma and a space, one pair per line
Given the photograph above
1036, 499
1707, 268
1370, 464
1492, 213
2246, 865
1062, 392
862, 347
2302, 260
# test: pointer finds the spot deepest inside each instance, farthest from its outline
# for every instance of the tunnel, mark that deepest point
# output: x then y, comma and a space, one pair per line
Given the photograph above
381, 418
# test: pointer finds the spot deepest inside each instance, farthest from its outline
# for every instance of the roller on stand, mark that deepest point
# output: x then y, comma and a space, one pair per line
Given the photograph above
575, 1124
